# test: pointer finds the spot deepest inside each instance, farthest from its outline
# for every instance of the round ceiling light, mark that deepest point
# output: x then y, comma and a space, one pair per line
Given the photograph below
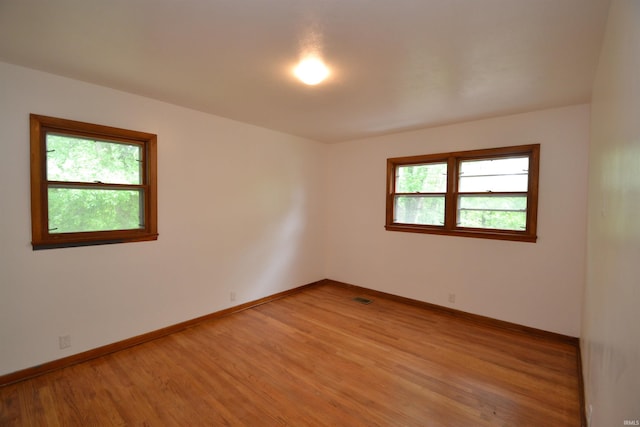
311, 71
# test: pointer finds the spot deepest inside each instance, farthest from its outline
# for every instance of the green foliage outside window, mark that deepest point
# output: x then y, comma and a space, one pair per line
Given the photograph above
501, 212
79, 160
486, 193
420, 179
77, 210
427, 184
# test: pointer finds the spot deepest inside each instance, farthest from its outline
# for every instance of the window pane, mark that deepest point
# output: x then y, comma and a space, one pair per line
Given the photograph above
495, 212
425, 210
427, 178
510, 174
77, 159
77, 210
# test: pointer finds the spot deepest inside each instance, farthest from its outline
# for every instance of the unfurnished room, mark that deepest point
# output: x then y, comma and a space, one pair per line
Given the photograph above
320, 213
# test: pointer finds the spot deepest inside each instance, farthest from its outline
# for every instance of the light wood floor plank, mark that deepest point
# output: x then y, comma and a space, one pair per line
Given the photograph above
316, 358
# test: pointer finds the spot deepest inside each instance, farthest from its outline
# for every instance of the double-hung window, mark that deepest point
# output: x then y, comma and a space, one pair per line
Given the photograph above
91, 184
490, 193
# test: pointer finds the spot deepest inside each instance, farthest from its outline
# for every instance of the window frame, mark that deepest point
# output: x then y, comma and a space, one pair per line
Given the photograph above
40, 235
453, 159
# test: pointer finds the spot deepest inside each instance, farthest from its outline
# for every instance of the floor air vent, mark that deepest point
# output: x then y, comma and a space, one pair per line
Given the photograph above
362, 300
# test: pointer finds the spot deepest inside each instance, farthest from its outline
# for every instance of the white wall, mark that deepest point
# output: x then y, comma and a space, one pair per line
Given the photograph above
611, 338
538, 285
240, 209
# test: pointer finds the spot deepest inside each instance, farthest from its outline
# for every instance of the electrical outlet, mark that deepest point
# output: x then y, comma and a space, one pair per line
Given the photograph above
64, 341
452, 298
589, 414
232, 296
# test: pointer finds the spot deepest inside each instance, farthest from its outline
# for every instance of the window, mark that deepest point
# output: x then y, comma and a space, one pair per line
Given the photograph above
91, 184
490, 193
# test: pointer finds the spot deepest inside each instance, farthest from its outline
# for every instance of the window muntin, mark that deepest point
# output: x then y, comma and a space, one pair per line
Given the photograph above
487, 193
91, 184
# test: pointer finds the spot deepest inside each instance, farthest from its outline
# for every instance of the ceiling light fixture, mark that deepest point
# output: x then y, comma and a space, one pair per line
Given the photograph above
311, 71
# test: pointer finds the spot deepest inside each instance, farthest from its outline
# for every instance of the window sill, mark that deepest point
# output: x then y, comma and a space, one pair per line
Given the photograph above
73, 243
475, 233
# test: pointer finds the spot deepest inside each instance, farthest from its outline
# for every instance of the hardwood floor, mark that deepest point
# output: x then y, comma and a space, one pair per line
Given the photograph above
316, 358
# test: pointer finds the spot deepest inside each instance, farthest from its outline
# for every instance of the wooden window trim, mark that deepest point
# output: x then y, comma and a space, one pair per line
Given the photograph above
41, 238
453, 160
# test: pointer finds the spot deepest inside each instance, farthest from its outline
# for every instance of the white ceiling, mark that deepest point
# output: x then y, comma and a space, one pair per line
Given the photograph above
396, 64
